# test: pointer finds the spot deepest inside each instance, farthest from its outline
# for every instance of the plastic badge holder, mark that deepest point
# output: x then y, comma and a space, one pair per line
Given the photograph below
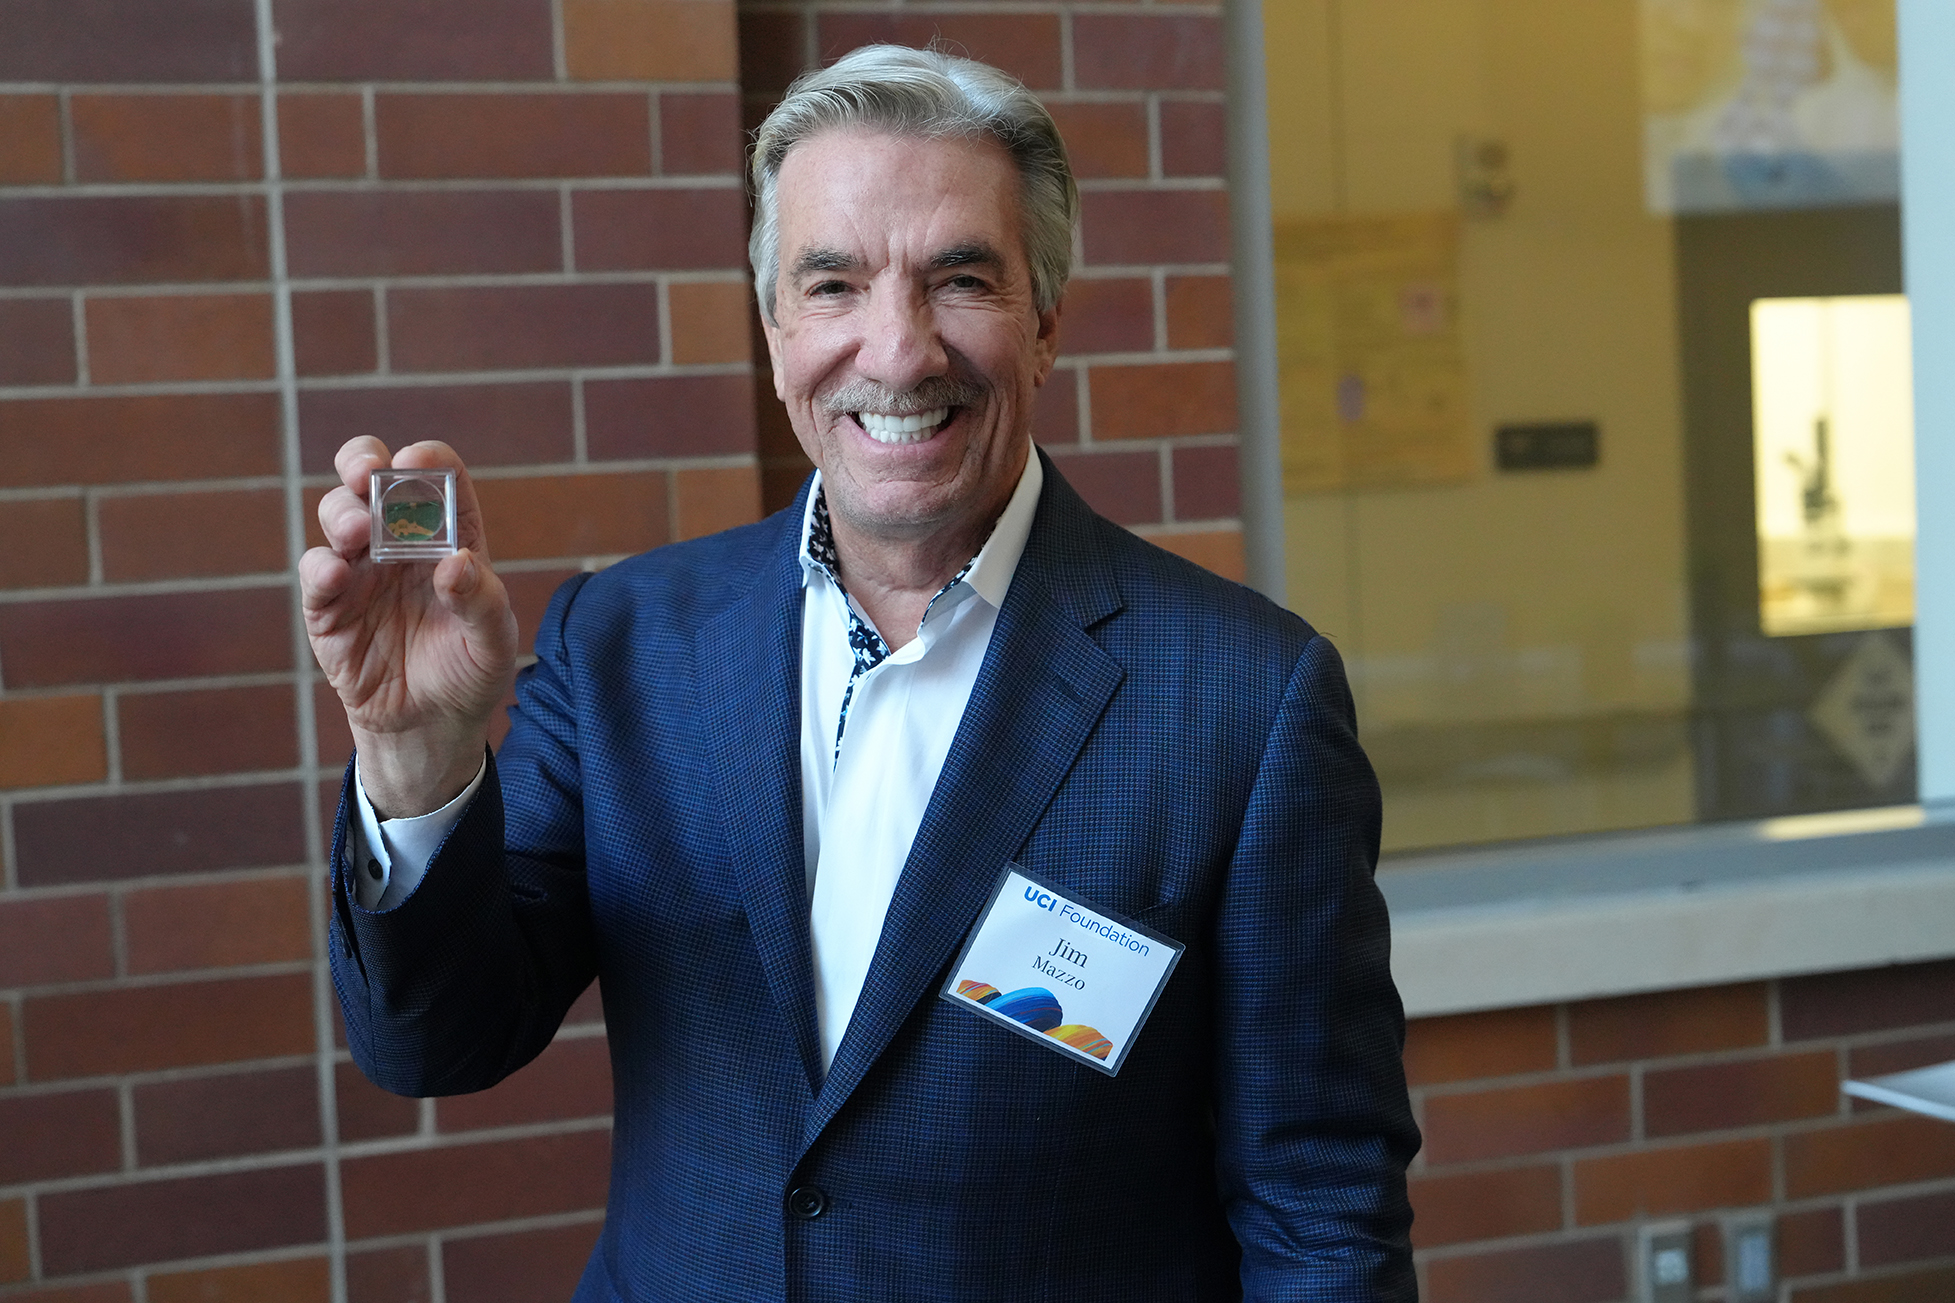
413, 514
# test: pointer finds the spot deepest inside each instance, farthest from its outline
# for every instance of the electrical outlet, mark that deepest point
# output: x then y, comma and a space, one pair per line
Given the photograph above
1665, 1260
1750, 1265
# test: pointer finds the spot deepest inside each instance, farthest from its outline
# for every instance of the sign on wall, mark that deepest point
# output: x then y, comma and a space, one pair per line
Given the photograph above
1373, 374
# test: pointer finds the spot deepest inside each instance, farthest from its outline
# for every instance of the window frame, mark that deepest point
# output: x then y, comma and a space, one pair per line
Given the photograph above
1708, 903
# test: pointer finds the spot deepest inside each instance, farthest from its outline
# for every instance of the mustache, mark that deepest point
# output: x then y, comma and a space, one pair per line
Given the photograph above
932, 393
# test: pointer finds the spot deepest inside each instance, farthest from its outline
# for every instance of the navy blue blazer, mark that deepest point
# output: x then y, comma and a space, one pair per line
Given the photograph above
1153, 739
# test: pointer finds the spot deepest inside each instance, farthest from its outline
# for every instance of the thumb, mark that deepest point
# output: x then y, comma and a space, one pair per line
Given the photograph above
472, 592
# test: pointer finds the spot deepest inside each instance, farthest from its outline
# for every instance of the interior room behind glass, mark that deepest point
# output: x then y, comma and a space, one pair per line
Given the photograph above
1596, 434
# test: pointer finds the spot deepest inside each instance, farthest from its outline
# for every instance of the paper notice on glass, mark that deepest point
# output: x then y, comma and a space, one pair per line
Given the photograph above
1052, 967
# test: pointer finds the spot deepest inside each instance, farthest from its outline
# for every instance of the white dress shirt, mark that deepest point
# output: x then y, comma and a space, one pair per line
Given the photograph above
876, 726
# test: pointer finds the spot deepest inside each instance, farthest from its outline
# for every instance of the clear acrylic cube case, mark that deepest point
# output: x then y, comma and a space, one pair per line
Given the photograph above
413, 514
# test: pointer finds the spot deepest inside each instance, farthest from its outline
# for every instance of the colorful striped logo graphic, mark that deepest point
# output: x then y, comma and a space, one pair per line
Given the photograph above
1038, 1009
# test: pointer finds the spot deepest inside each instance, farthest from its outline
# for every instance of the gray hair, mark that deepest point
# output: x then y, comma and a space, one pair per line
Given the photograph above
935, 96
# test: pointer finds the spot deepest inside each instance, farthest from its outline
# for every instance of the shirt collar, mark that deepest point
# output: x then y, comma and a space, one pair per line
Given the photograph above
997, 561
989, 572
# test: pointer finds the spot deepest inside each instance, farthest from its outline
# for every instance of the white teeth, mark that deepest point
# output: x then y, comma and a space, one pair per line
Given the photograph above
902, 429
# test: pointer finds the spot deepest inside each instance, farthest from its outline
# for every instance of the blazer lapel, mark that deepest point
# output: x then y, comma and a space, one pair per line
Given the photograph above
1043, 687
747, 676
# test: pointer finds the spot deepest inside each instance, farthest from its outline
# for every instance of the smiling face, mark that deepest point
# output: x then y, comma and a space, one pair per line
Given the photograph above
907, 344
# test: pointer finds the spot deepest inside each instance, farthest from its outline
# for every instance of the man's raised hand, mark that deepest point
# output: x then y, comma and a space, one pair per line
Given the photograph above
420, 660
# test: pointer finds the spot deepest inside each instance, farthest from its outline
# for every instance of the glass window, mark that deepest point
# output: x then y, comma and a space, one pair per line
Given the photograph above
1596, 439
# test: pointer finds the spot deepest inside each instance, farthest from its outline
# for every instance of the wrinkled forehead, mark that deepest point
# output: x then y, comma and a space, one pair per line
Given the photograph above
874, 188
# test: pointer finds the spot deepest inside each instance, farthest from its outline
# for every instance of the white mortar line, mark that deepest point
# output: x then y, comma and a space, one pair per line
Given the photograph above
437, 1279
370, 134
33, 1217
559, 57
383, 339
91, 524
301, 677
125, 1108
79, 314
112, 736
7, 861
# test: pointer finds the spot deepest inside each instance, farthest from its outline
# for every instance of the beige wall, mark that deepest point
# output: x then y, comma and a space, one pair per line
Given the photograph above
1543, 596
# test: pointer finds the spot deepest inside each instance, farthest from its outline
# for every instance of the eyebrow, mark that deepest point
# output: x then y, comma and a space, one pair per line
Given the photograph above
819, 260
975, 254
968, 255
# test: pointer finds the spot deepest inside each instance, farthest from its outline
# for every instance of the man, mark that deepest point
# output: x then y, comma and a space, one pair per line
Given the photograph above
765, 785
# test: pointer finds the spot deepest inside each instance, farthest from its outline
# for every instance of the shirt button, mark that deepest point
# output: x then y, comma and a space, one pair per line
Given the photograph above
806, 1202
373, 869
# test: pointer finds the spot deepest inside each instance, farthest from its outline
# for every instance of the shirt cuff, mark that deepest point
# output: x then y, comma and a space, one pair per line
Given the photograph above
391, 856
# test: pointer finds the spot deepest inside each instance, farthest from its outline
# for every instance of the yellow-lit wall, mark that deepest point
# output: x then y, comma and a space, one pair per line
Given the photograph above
1535, 595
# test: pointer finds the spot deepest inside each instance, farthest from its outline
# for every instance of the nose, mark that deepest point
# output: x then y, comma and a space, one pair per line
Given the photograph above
901, 346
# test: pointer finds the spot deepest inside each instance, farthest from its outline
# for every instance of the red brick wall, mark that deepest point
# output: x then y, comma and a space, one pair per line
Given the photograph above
1553, 1132
1140, 416
516, 225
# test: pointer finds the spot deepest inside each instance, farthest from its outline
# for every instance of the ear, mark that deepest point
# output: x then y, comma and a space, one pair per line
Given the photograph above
1045, 346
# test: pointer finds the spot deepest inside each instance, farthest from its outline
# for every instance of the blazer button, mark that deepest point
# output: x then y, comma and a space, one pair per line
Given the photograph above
806, 1202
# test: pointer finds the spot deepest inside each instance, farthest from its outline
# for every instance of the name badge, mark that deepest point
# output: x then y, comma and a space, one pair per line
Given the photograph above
1071, 976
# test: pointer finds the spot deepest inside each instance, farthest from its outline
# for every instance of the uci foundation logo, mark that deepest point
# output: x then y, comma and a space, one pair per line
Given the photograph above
1038, 1009
1072, 914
